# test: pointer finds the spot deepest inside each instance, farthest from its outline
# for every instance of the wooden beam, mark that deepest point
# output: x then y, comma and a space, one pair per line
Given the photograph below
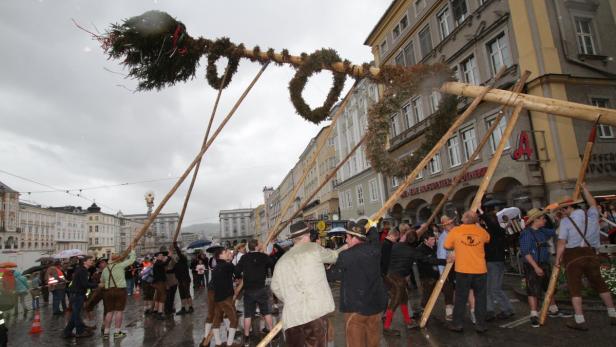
535, 103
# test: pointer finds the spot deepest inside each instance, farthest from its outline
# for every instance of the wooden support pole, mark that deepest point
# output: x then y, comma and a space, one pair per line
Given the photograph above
535, 103
196, 172
517, 88
476, 204
274, 231
275, 330
422, 164
439, 284
549, 294
585, 160
156, 212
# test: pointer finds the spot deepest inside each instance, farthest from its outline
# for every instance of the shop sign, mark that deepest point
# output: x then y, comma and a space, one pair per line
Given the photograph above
603, 163
444, 182
523, 150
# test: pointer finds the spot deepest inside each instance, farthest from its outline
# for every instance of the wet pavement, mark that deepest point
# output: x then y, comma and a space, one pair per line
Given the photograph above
187, 330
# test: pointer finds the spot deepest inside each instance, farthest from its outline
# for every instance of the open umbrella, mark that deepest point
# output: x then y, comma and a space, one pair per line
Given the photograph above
34, 269
199, 244
337, 231
7, 264
213, 248
69, 253
45, 259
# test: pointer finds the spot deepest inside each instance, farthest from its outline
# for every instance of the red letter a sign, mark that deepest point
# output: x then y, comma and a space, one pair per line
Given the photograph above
523, 149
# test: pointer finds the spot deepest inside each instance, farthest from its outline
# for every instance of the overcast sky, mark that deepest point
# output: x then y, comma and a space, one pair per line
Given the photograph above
69, 119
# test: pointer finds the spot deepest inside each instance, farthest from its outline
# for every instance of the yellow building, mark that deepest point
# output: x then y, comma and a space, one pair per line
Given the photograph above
568, 57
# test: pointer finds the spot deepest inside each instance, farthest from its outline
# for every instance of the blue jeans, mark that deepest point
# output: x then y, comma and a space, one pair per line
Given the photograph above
496, 270
75, 322
130, 285
58, 299
464, 283
35, 303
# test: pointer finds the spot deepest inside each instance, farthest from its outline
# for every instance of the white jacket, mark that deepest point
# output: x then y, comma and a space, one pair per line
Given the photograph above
299, 281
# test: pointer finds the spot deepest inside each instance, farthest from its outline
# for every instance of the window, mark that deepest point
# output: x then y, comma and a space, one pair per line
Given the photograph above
460, 11
408, 115
396, 31
96, 241
499, 53
409, 54
395, 124
420, 174
443, 22
498, 133
453, 149
395, 181
435, 98
583, 31
90, 228
605, 131
469, 70
469, 141
374, 190
435, 164
400, 59
383, 47
360, 195
417, 109
425, 41
96, 228
349, 199
404, 22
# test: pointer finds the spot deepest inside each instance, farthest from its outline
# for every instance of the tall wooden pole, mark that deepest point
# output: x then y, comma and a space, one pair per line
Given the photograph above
535, 103
196, 172
441, 282
585, 160
156, 212
274, 231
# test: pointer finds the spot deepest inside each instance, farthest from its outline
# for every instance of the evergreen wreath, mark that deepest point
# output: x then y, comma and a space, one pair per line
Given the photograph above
220, 48
314, 63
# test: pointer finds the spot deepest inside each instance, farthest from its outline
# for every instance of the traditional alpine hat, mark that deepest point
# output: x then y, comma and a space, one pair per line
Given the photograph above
358, 228
533, 214
298, 229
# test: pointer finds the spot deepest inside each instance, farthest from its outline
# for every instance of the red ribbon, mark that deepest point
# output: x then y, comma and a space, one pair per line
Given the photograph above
176, 37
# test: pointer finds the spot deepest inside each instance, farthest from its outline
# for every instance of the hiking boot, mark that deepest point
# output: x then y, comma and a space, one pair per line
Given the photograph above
246, 340
577, 326
119, 335
481, 330
612, 320
534, 321
160, 316
449, 318
181, 312
191, 309
69, 336
454, 328
391, 332
85, 333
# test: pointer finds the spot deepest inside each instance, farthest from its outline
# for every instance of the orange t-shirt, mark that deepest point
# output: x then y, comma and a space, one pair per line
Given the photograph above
468, 240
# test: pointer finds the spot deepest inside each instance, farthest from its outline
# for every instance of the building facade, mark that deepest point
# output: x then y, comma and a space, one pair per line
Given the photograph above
360, 188
236, 225
70, 228
160, 233
38, 227
103, 230
476, 38
9, 218
260, 222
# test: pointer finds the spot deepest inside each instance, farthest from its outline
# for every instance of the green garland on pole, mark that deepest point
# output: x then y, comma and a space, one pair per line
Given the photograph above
158, 52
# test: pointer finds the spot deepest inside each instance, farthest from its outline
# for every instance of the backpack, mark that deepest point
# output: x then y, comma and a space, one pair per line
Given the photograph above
8, 298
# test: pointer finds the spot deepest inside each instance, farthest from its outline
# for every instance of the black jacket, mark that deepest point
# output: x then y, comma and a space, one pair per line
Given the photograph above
495, 250
160, 270
81, 283
222, 280
253, 267
182, 272
427, 264
359, 270
403, 255
386, 255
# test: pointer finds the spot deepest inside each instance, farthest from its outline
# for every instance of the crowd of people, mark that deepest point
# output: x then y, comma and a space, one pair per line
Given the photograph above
376, 266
